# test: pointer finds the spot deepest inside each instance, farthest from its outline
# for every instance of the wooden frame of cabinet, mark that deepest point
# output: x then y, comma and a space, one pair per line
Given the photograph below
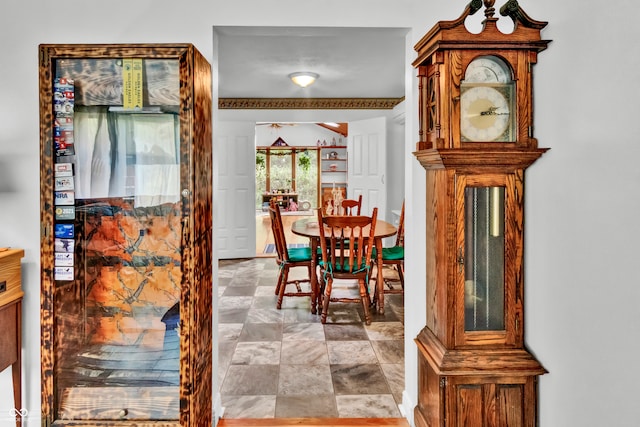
68, 321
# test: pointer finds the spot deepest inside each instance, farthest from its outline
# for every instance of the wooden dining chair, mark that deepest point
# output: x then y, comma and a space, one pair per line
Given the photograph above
352, 206
288, 258
346, 246
394, 257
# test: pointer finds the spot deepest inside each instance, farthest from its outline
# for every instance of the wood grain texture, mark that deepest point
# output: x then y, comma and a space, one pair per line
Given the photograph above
176, 75
197, 386
11, 275
314, 422
484, 377
11, 321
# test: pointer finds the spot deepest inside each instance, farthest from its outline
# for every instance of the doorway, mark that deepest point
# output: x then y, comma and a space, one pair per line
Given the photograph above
288, 174
302, 115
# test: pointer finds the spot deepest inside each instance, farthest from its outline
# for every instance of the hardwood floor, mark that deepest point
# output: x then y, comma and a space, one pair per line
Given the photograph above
314, 422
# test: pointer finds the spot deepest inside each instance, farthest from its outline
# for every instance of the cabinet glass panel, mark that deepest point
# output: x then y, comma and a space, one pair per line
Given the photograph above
484, 259
118, 239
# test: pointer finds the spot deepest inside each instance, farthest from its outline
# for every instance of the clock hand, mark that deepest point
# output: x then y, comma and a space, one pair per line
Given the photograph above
492, 112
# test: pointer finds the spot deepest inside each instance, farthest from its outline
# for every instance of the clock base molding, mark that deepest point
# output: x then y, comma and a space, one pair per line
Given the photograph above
476, 362
472, 386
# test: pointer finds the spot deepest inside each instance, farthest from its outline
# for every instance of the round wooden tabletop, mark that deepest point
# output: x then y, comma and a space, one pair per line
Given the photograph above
308, 227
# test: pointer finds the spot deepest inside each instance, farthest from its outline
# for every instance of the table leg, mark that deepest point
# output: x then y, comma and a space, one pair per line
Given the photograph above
17, 390
16, 367
315, 291
379, 277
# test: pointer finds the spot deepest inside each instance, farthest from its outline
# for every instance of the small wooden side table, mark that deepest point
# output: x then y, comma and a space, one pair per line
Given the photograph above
11, 320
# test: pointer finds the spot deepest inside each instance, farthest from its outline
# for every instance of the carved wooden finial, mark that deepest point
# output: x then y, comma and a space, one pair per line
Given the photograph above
489, 10
474, 6
513, 10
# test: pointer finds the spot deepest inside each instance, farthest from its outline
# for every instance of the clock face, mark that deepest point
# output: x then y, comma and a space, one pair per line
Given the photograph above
487, 69
485, 114
486, 101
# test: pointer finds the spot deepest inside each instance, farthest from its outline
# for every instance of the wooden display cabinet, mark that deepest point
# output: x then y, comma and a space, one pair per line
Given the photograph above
126, 240
476, 141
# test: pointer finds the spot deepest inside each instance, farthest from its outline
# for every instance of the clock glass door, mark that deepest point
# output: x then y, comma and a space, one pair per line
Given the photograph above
484, 259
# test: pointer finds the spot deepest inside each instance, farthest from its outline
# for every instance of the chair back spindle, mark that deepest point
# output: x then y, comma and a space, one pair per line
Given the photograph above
352, 206
347, 245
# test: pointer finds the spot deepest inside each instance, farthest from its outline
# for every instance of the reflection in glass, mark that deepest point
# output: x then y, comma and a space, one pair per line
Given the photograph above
117, 318
484, 259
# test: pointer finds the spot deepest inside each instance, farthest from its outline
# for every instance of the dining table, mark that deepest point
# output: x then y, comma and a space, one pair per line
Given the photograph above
308, 227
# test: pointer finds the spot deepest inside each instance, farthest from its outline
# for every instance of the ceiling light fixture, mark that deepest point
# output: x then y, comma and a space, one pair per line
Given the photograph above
303, 78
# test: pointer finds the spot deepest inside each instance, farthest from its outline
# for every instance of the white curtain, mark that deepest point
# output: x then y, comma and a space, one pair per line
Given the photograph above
127, 155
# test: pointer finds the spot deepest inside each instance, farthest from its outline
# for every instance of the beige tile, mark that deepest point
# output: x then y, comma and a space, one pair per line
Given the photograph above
359, 379
367, 406
345, 352
313, 380
389, 351
303, 407
256, 336
249, 406
304, 353
303, 332
247, 380
257, 353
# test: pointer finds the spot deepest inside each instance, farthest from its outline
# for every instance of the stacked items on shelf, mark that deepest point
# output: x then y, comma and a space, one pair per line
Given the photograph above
63, 175
63, 96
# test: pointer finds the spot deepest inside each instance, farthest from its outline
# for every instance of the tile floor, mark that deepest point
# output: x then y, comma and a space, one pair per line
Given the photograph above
285, 363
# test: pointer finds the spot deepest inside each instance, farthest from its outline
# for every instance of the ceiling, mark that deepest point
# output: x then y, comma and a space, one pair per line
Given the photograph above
254, 62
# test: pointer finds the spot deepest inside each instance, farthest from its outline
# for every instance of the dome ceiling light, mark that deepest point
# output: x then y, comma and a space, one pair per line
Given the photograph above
303, 78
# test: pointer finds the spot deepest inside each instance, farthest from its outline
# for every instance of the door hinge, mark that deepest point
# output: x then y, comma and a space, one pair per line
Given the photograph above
443, 382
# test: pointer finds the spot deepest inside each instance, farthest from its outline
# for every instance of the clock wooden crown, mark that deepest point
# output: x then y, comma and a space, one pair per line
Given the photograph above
444, 54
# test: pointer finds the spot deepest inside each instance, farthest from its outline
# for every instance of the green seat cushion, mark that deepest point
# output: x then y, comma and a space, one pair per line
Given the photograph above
345, 266
393, 253
299, 254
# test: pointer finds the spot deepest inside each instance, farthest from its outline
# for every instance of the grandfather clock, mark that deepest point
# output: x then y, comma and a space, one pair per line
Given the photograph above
476, 141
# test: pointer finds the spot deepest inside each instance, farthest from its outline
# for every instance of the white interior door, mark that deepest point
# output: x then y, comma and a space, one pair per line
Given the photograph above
234, 197
367, 165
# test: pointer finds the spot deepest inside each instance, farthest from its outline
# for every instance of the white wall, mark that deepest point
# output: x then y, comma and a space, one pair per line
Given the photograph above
296, 135
395, 161
582, 202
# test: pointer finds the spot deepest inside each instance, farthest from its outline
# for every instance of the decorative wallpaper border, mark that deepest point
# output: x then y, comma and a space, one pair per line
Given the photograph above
308, 103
